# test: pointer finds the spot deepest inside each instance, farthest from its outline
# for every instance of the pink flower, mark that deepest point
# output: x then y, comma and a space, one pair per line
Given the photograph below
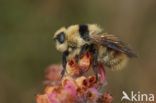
53, 75
50, 97
102, 72
69, 86
74, 87
53, 72
60, 95
94, 90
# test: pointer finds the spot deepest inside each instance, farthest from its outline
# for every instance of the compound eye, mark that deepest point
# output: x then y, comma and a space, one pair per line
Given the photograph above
61, 37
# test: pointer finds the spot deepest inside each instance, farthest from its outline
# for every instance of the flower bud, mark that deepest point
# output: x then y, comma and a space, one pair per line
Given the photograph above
106, 98
53, 75
85, 62
53, 72
102, 72
72, 68
65, 80
42, 98
92, 94
82, 82
48, 89
92, 81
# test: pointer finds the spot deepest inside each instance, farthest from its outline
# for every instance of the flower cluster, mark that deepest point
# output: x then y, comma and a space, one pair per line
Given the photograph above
74, 87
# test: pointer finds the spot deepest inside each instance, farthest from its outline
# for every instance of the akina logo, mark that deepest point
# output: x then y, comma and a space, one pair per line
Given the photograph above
137, 96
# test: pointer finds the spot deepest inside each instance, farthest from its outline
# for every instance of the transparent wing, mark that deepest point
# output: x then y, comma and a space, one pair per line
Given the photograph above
112, 41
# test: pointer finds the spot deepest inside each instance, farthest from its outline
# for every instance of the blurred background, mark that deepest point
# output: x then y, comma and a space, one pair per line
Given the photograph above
26, 46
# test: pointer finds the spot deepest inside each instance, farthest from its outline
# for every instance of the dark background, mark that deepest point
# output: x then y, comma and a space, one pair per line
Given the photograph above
26, 46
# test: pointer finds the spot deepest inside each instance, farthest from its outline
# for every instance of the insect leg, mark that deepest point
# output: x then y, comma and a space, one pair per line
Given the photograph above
95, 62
84, 48
64, 62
